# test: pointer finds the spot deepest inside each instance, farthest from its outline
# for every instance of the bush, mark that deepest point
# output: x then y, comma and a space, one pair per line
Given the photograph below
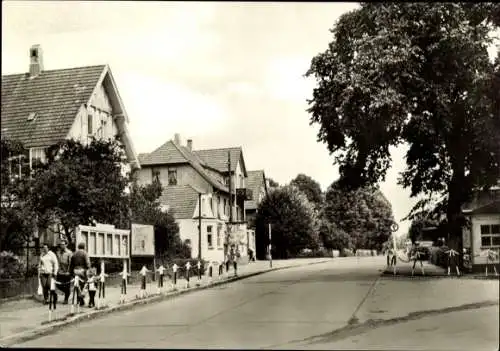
11, 267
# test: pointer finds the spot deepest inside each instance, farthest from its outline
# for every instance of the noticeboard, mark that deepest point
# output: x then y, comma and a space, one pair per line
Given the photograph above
143, 240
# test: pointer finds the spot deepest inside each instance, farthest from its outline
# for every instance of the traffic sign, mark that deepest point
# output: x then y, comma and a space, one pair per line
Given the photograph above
394, 227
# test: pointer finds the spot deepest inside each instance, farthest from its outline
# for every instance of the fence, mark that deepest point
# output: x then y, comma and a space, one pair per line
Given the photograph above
18, 287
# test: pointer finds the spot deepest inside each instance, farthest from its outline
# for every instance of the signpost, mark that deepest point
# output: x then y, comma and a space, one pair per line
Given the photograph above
270, 254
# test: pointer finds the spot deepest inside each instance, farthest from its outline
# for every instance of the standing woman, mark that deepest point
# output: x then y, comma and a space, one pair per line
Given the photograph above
47, 269
79, 264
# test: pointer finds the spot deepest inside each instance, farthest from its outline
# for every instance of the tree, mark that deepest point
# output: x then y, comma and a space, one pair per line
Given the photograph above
364, 214
333, 237
80, 184
309, 187
292, 218
417, 73
16, 216
145, 209
272, 183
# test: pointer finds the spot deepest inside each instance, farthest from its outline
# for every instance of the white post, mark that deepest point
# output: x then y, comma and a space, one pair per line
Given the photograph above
270, 247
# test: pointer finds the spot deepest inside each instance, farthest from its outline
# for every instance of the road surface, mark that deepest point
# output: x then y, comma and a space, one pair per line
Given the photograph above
342, 304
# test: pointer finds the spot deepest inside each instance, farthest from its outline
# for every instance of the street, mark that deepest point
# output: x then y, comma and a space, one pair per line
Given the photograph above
342, 304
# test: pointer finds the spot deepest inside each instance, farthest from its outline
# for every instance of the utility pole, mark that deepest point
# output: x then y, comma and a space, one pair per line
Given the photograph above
199, 227
230, 203
270, 255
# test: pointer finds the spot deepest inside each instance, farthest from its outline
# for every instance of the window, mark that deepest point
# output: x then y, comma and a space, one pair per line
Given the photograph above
490, 235
155, 174
37, 156
209, 236
218, 236
89, 124
225, 205
172, 177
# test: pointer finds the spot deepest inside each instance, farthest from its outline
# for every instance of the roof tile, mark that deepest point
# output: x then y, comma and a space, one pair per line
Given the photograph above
181, 200
55, 96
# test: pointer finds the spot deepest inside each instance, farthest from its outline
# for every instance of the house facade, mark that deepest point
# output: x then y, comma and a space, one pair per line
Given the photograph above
257, 183
42, 107
204, 187
483, 234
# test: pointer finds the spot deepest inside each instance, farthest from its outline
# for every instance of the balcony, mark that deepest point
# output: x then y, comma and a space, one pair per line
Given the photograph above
244, 194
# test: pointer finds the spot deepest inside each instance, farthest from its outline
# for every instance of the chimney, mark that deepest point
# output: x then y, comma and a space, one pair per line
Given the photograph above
177, 138
36, 60
189, 144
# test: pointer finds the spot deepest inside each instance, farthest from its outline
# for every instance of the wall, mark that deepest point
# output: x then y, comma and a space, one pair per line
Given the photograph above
477, 221
186, 175
101, 111
188, 229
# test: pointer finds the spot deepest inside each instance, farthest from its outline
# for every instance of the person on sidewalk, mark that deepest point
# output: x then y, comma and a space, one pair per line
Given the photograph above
63, 276
143, 272
47, 269
79, 264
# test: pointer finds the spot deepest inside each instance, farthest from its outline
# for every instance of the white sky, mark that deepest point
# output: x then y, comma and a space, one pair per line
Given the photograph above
223, 74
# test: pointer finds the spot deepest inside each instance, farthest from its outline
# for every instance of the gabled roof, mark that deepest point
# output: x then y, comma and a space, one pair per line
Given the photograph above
55, 96
217, 158
491, 208
173, 153
254, 181
181, 200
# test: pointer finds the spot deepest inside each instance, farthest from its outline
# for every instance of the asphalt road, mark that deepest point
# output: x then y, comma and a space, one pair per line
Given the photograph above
323, 306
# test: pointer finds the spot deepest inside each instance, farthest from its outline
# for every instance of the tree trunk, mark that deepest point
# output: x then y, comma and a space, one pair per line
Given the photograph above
454, 215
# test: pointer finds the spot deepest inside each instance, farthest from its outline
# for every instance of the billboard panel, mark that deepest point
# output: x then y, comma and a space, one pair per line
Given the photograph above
143, 240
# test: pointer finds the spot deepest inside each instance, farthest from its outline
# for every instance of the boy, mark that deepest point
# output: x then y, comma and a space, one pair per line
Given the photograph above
91, 286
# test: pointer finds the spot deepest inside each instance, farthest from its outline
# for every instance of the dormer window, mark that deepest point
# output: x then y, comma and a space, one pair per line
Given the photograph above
172, 177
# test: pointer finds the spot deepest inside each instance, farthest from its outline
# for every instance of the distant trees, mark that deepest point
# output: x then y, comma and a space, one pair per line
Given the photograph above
309, 187
356, 218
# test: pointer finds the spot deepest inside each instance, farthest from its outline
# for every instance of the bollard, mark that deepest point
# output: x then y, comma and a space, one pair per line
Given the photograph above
76, 293
144, 271
188, 266
198, 265
123, 293
175, 267
210, 271
52, 298
221, 270
161, 271
102, 287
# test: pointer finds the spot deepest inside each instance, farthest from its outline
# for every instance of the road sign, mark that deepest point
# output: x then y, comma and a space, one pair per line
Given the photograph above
394, 227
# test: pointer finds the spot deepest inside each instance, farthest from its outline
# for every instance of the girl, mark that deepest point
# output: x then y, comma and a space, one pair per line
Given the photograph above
91, 286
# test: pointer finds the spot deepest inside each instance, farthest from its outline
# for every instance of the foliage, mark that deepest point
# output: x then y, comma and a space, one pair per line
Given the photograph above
145, 209
417, 73
16, 216
272, 183
80, 184
333, 237
364, 215
11, 267
309, 187
292, 218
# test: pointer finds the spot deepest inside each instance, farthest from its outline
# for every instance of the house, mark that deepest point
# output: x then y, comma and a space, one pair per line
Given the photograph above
42, 107
205, 191
483, 212
257, 183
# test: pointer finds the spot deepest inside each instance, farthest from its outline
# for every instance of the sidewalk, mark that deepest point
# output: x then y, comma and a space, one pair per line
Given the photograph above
404, 269
22, 316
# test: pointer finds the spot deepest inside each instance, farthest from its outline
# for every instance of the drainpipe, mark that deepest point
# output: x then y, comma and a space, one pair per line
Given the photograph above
199, 227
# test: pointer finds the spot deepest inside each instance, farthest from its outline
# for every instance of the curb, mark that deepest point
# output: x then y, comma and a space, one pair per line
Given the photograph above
438, 276
49, 328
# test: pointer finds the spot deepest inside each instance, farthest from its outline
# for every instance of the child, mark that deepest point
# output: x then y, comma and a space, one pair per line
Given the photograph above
91, 286
144, 271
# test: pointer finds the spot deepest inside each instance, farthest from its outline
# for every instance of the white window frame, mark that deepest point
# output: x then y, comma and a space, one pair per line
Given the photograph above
490, 235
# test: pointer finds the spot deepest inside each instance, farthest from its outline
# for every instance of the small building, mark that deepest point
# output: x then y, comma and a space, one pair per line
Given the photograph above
483, 212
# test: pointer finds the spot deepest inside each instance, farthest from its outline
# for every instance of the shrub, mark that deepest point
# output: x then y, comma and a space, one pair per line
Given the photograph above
11, 267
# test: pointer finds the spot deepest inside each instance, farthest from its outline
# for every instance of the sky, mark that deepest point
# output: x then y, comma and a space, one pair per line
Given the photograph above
222, 74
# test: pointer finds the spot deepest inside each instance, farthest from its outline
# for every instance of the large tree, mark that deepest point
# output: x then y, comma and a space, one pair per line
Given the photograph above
292, 220
16, 216
309, 187
364, 214
80, 184
417, 73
